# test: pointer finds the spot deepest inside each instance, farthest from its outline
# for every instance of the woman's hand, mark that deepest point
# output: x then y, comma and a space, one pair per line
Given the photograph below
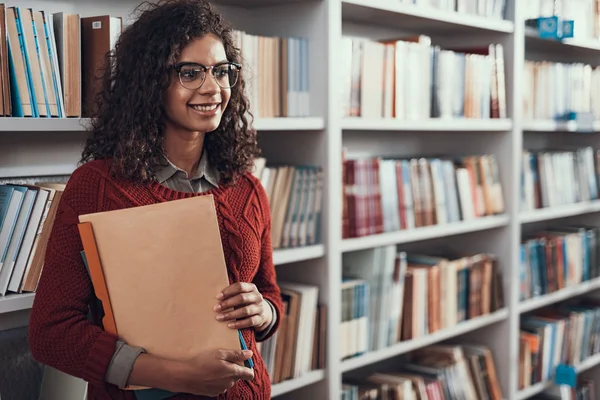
209, 373
242, 306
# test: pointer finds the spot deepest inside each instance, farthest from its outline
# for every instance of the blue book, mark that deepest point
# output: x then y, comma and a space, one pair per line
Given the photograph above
23, 45
8, 225
37, 37
15, 94
5, 196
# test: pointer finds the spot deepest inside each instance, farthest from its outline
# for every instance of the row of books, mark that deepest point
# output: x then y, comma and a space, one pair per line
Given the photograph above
554, 178
584, 13
555, 90
390, 296
295, 196
411, 79
387, 195
50, 61
563, 334
558, 258
484, 8
277, 74
298, 346
26, 217
583, 390
442, 371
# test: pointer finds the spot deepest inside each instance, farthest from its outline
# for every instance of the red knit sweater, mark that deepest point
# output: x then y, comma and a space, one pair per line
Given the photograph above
60, 333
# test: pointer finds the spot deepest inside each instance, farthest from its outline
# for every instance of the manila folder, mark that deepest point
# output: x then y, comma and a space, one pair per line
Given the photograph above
163, 266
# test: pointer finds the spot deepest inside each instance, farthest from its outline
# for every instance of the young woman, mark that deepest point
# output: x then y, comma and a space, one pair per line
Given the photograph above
170, 123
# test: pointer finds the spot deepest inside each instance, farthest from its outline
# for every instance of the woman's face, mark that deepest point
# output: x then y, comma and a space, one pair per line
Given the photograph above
197, 110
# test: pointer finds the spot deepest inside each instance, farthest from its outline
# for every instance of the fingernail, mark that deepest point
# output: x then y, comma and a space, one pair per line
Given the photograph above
217, 307
220, 317
220, 296
231, 325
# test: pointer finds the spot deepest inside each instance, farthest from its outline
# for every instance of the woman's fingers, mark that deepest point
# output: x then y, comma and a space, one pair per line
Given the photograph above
239, 300
236, 288
242, 313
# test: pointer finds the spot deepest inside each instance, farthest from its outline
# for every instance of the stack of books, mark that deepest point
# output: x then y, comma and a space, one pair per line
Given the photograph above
390, 296
558, 258
27, 214
554, 178
411, 79
564, 334
387, 195
298, 346
50, 61
554, 90
277, 74
437, 372
295, 195
584, 13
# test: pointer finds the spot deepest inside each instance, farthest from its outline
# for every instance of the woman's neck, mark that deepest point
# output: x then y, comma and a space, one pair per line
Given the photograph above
184, 149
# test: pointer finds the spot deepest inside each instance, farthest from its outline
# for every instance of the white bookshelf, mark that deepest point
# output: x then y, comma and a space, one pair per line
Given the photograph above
558, 296
48, 147
539, 387
310, 378
563, 211
424, 233
433, 125
288, 256
16, 302
414, 344
397, 13
80, 124
558, 126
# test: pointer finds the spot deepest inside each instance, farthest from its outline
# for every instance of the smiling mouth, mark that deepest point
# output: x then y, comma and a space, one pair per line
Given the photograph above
205, 107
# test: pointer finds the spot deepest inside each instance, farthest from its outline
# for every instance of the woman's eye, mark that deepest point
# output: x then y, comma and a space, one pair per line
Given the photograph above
190, 74
222, 72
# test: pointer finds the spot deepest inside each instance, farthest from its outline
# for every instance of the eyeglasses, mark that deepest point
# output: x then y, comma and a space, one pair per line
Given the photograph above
192, 75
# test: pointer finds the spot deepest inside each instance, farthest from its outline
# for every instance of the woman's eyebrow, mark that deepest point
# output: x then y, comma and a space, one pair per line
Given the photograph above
199, 63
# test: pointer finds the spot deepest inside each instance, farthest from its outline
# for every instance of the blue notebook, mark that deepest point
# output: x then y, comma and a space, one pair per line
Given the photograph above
159, 394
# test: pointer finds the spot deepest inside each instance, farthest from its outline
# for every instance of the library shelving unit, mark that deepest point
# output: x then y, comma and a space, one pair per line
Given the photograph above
36, 147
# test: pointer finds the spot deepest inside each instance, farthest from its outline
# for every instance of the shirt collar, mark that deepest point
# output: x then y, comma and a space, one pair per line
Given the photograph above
166, 170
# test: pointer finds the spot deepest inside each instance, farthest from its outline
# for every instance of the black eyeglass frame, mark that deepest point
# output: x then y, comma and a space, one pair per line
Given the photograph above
177, 67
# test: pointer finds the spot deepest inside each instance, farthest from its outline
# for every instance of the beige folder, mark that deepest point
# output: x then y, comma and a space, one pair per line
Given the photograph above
162, 268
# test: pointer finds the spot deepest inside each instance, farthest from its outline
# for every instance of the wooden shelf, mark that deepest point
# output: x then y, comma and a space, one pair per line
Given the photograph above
419, 18
424, 233
411, 345
430, 125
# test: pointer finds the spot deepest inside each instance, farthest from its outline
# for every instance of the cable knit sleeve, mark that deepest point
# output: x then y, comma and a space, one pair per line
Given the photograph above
265, 279
60, 334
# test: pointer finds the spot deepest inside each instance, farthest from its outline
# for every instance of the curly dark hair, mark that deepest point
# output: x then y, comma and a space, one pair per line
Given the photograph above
127, 124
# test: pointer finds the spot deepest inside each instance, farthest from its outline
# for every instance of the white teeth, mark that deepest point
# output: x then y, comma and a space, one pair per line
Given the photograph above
205, 108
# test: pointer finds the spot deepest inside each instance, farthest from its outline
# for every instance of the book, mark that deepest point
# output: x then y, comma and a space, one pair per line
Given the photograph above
157, 279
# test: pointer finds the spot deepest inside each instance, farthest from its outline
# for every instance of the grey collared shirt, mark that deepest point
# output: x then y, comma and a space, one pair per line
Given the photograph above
175, 178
